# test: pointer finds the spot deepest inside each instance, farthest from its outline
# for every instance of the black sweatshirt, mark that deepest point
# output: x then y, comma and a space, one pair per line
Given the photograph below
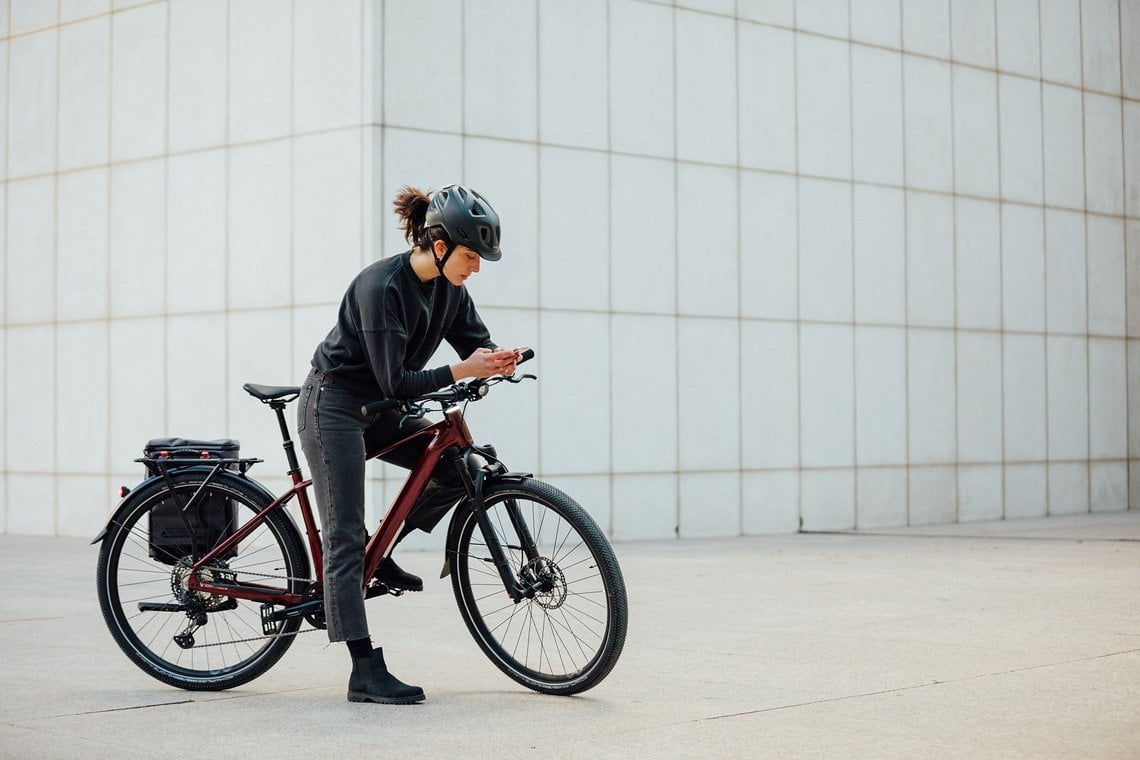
388, 327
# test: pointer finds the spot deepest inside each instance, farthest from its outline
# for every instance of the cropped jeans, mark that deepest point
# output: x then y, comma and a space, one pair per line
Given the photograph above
335, 437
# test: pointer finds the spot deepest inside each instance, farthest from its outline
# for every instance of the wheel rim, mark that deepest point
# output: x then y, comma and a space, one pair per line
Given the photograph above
231, 640
557, 636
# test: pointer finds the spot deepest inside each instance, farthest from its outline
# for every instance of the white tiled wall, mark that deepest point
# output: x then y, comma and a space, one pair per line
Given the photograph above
788, 263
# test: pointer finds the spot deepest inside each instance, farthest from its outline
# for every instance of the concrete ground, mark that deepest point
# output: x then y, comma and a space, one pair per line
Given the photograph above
1015, 639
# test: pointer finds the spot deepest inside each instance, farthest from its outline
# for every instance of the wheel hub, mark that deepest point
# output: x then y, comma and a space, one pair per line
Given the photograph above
547, 579
216, 571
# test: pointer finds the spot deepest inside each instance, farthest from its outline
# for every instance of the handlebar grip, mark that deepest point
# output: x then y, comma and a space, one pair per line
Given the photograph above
525, 356
379, 406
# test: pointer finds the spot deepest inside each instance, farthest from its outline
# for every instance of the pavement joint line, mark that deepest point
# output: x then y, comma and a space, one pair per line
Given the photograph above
218, 697
971, 536
912, 687
122, 709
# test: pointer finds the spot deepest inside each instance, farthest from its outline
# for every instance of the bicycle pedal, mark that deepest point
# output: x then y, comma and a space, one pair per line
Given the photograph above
375, 589
269, 622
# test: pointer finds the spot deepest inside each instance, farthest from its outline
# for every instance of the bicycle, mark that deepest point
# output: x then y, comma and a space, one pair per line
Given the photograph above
204, 579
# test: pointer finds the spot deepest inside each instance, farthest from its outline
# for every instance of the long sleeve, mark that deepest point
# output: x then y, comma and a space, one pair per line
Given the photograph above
467, 331
386, 350
389, 327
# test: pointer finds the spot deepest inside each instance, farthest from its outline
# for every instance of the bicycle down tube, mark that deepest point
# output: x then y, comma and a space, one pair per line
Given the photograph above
451, 431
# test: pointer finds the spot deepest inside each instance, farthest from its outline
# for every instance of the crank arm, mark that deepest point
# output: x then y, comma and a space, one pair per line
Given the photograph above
229, 604
161, 607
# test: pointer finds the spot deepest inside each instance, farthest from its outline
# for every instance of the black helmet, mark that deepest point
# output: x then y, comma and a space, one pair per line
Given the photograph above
467, 218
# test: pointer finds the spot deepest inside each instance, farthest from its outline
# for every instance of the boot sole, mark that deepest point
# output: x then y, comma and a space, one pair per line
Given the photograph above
392, 585
380, 589
363, 696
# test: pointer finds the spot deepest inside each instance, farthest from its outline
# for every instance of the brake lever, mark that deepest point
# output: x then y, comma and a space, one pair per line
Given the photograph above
412, 413
519, 378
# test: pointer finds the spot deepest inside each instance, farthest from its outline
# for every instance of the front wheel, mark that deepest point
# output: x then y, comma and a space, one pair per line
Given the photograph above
569, 635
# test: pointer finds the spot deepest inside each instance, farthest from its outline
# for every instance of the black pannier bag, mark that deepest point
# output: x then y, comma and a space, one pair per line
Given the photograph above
175, 533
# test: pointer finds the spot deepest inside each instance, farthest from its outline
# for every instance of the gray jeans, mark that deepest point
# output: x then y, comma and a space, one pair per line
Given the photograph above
335, 438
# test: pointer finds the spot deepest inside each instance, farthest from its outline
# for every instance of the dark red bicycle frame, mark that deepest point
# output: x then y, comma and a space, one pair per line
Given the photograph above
451, 431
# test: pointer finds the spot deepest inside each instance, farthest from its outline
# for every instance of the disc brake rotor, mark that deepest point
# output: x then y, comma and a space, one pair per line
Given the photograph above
550, 580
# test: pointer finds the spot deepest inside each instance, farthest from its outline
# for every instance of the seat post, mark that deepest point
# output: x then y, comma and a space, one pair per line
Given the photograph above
286, 440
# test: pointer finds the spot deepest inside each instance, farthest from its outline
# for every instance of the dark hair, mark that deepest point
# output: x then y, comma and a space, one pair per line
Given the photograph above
411, 205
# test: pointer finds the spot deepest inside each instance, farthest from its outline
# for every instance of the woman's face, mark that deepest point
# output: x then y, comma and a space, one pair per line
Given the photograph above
462, 263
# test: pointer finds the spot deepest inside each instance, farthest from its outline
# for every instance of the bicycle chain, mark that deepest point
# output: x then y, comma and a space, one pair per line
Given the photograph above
255, 638
268, 575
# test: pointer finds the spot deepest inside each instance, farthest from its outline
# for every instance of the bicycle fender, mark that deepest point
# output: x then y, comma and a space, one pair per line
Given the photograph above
458, 515
129, 496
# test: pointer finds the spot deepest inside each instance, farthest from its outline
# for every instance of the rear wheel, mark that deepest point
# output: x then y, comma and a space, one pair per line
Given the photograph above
181, 637
570, 634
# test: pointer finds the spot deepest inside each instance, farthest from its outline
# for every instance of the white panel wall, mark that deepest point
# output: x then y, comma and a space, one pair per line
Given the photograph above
795, 264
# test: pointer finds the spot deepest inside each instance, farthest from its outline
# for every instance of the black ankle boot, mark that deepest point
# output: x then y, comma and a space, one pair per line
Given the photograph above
396, 578
371, 682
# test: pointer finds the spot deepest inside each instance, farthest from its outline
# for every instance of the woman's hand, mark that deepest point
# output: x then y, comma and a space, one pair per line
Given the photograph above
486, 362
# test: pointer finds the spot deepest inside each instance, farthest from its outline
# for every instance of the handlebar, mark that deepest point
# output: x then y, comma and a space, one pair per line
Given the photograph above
472, 391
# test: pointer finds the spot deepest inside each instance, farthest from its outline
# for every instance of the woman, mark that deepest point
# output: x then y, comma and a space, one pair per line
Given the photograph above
392, 319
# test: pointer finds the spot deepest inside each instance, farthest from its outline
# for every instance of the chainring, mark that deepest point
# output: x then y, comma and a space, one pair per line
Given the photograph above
316, 619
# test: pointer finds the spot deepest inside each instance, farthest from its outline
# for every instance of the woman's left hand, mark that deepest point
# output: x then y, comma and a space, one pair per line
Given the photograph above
486, 362
508, 359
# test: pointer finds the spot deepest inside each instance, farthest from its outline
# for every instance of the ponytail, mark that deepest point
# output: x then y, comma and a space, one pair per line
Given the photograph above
411, 205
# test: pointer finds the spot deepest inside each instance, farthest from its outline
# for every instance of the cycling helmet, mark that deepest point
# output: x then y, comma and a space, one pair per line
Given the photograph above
467, 218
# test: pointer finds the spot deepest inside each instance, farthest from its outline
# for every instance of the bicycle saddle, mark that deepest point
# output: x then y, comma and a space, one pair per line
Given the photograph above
271, 392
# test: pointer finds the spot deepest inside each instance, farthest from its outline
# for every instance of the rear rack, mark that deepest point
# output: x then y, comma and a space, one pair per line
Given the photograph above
164, 462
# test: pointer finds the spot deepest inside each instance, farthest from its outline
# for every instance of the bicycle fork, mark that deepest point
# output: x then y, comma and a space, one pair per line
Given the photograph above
475, 479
